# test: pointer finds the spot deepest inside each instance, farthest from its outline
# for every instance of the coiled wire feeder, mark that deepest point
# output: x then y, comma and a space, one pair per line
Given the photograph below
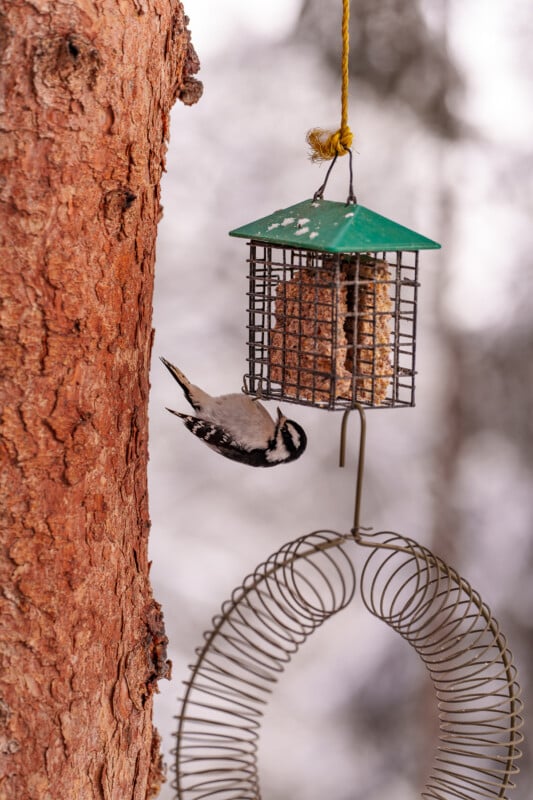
288, 597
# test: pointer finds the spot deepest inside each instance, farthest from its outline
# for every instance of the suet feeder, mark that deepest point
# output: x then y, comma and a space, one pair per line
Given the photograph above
332, 306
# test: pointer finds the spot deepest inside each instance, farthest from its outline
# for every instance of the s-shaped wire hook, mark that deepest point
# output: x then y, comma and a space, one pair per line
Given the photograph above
360, 466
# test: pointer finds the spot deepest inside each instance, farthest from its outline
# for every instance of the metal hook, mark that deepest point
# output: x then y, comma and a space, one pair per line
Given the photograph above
361, 461
351, 199
319, 194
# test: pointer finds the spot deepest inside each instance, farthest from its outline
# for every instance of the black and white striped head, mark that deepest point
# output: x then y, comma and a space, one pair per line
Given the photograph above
287, 443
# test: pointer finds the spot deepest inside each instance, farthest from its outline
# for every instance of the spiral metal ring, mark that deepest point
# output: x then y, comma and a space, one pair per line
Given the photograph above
287, 598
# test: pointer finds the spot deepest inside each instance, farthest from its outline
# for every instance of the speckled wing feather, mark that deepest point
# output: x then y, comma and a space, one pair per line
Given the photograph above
220, 440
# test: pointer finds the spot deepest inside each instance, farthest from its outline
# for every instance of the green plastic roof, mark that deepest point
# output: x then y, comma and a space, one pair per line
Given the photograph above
333, 228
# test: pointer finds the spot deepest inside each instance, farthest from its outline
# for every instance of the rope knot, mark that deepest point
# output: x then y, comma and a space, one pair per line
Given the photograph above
325, 145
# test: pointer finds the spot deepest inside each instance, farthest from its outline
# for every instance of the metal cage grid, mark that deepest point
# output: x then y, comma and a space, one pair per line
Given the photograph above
331, 330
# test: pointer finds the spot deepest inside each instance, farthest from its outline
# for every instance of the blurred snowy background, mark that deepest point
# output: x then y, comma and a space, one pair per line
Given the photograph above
441, 104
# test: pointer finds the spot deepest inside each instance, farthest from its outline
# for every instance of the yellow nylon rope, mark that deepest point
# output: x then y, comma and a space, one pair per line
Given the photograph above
325, 145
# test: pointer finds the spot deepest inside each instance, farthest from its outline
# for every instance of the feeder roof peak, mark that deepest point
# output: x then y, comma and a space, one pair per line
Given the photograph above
333, 227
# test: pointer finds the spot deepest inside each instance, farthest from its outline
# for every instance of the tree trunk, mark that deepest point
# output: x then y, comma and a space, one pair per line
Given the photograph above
86, 91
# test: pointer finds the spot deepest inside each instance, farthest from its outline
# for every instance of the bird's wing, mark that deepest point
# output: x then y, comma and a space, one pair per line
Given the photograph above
212, 434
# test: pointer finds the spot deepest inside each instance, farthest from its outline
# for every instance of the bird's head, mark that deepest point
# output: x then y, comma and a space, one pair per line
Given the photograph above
288, 442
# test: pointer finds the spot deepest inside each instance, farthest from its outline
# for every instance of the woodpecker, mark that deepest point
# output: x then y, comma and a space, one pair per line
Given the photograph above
239, 427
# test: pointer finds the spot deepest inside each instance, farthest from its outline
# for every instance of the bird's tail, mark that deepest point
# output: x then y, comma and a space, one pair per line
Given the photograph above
184, 382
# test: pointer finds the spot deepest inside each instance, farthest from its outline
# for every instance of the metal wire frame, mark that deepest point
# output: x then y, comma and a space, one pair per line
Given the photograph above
320, 334
288, 597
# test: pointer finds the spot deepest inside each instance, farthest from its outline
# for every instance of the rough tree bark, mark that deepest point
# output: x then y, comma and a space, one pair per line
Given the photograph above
86, 90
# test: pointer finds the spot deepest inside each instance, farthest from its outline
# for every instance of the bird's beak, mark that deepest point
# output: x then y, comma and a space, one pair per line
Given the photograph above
281, 416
